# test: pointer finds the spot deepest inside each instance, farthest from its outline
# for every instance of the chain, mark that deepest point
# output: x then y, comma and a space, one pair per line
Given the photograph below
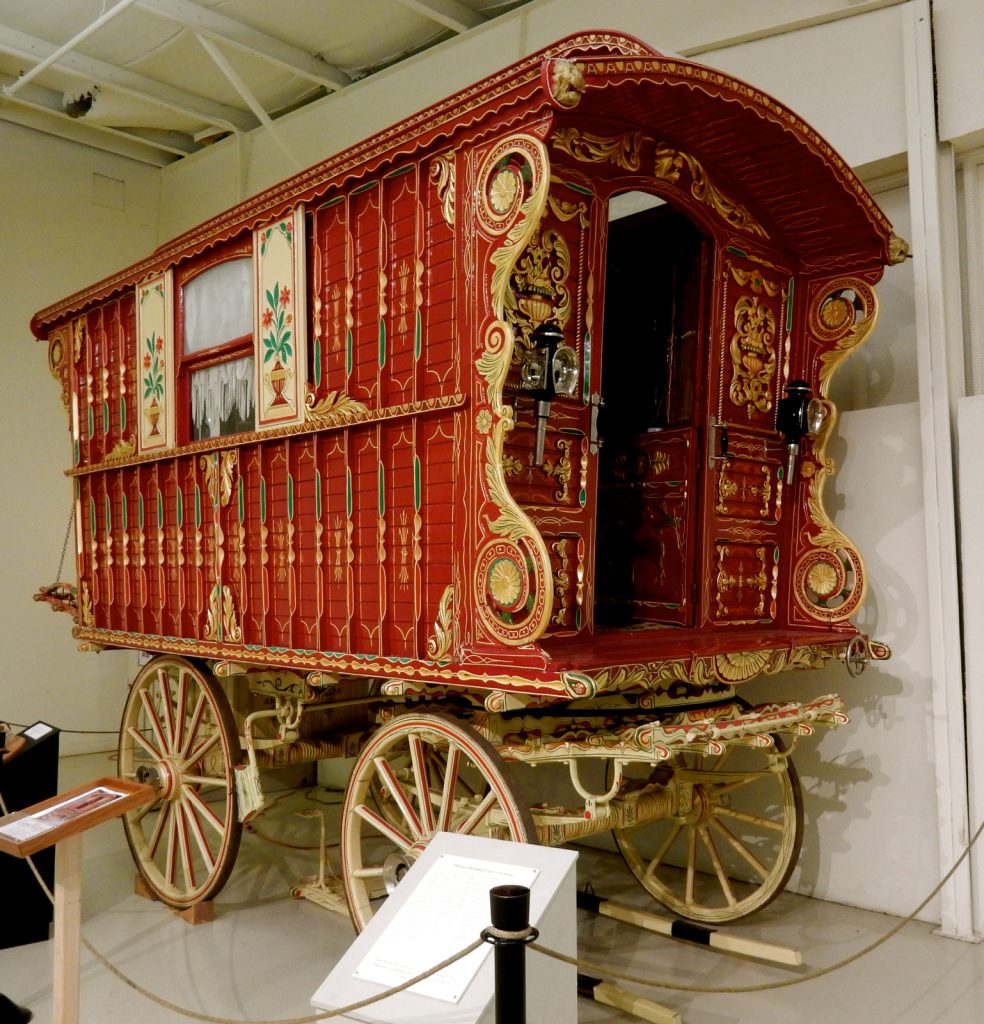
68, 533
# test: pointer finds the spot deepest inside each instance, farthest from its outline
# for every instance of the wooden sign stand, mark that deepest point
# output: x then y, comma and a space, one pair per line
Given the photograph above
61, 821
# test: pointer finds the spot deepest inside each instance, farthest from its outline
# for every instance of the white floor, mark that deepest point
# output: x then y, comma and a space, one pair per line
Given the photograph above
265, 953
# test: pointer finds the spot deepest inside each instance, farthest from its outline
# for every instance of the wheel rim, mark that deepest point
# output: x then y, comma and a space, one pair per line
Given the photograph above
734, 841
178, 734
420, 774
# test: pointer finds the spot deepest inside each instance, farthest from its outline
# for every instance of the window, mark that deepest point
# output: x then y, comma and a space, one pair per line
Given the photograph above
215, 332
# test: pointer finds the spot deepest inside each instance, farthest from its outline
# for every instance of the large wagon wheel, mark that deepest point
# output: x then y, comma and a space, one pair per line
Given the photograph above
421, 774
178, 734
734, 840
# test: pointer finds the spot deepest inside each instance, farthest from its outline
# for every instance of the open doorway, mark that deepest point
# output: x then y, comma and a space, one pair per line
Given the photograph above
656, 294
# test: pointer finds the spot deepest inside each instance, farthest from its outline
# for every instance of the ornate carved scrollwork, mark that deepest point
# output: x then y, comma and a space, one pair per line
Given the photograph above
512, 582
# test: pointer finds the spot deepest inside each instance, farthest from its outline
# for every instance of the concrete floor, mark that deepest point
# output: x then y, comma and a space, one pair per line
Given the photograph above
265, 953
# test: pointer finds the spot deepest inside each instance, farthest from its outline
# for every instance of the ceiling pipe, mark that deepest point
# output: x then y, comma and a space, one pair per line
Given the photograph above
54, 57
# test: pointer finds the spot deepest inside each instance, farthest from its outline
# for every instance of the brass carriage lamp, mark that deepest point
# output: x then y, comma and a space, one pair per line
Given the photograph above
797, 414
549, 369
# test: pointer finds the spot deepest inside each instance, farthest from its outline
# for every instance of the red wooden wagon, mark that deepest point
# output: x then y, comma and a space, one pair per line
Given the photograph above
495, 440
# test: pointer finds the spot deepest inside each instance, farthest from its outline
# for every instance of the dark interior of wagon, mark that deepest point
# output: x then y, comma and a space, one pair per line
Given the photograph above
656, 294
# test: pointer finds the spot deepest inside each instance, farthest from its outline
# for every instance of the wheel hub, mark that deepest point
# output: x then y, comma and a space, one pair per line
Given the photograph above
160, 775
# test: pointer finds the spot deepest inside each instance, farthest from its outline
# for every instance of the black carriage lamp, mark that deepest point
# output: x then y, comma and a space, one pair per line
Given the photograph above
549, 370
797, 414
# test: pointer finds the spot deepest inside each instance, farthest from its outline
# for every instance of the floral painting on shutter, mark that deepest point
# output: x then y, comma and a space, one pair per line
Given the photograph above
281, 353
155, 351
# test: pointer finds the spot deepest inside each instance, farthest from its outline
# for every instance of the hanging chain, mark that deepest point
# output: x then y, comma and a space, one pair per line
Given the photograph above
68, 533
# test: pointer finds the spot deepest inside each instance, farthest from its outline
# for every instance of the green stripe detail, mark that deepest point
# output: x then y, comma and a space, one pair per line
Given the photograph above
180, 505
317, 362
348, 492
382, 343
290, 498
317, 494
160, 510
416, 482
92, 517
382, 491
198, 507
348, 352
418, 343
242, 500
262, 499
140, 511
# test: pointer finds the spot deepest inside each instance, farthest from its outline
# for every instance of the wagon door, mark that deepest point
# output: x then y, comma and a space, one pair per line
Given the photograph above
656, 296
742, 503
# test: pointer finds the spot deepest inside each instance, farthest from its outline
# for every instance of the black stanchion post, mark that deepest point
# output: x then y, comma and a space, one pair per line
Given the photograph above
509, 933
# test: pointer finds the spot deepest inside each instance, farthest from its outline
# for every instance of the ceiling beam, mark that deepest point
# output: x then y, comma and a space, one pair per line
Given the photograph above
220, 28
40, 118
451, 14
26, 47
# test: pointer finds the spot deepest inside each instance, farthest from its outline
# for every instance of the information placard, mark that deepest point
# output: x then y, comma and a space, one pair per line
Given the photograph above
441, 906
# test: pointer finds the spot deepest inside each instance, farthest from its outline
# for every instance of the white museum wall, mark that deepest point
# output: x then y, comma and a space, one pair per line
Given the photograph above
68, 216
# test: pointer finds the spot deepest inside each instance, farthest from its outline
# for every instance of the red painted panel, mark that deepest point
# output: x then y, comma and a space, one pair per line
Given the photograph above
306, 543
367, 231
368, 597
333, 463
400, 623
254, 596
400, 320
331, 296
280, 539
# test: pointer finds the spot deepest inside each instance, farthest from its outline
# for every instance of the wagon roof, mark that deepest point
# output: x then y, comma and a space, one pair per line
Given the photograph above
772, 159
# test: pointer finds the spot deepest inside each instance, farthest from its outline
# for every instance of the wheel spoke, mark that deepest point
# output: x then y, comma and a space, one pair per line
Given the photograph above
205, 780
137, 737
195, 827
155, 724
184, 845
691, 865
383, 826
163, 818
471, 822
168, 709
722, 876
204, 748
422, 784
447, 793
198, 804
392, 784
663, 850
753, 819
196, 720
739, 847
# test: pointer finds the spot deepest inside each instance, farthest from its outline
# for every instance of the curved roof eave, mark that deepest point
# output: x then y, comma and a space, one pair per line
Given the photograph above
769, 157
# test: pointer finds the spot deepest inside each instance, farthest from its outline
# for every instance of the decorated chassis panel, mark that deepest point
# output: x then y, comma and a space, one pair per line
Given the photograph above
517, 407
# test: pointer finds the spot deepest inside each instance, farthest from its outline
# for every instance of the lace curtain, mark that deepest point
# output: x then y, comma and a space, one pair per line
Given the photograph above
223, 398
218, 305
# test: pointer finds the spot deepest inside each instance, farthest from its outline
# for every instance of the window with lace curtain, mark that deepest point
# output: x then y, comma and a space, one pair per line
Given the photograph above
215, 316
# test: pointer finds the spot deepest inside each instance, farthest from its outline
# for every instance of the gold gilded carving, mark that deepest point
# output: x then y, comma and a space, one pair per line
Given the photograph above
565, 210
739, 591
752, 355
222, 622
898, 249
566, 82
123, 449
524, 159
668, 165
335, 407
754, 280
622, 150
219, 470
561, 470
85, 606
442, 174
539, 286
440, 641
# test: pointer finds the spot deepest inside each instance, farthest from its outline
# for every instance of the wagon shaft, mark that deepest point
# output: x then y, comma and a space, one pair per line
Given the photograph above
539, 740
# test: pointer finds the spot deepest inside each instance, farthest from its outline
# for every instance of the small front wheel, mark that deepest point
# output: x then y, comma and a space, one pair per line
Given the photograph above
178, 735
733, 841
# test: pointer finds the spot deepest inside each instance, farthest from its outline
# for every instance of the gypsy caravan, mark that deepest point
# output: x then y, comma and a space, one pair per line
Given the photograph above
495, 440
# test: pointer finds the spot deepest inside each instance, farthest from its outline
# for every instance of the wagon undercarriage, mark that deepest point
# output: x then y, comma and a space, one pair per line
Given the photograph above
703, 802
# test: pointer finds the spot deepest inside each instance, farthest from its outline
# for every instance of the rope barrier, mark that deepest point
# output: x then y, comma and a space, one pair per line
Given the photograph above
588, 966
582, 965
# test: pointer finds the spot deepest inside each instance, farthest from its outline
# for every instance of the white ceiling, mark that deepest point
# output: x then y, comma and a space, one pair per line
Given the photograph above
158, 79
